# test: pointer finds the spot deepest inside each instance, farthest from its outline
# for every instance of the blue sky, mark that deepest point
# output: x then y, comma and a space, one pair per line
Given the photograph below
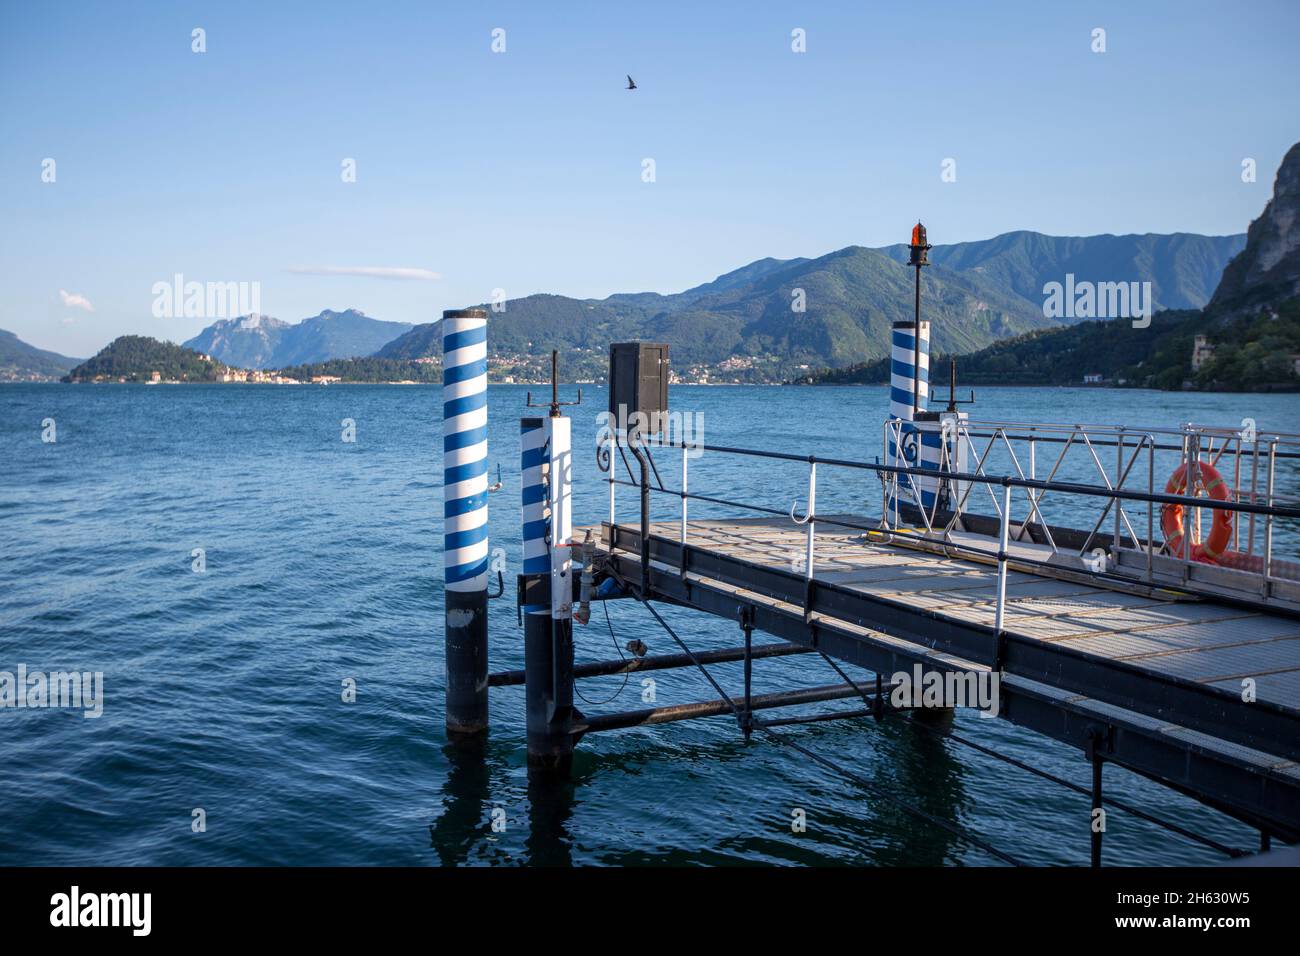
522, 170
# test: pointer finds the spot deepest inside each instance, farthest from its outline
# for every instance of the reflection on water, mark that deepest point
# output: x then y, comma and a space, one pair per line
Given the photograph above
466, 796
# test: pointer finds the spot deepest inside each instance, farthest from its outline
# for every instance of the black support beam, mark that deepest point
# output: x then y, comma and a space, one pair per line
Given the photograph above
1259, 796
1261, 725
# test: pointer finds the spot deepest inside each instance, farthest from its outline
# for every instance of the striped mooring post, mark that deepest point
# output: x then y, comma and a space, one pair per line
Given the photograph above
546, 462
909, 383
465, 517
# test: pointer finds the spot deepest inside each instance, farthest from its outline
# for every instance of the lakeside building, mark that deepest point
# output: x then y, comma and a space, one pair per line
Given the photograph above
1202, 352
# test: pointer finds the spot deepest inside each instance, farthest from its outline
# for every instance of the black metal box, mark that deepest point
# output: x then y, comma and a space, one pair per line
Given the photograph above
638, 383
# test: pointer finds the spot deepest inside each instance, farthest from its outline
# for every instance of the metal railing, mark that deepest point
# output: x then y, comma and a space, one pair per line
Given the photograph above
1260, 502
1246, 461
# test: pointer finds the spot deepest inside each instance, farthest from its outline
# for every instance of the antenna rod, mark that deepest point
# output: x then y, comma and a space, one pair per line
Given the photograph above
916, 350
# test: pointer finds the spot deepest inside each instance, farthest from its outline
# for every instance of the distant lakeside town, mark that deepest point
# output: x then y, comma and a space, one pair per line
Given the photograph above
1181, 350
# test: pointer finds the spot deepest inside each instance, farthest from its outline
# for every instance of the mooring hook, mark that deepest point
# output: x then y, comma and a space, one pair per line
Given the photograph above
805, 519
501, 586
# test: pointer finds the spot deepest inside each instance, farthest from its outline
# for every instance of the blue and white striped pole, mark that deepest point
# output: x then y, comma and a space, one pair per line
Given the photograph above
909, 385
548, 627
465, 518
534, 462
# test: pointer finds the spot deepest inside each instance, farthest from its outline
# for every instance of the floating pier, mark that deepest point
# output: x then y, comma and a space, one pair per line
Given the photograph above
1123, 640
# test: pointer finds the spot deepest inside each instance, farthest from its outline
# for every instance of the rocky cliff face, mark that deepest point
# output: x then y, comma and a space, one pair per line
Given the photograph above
249, 341
1267, 271
259, 341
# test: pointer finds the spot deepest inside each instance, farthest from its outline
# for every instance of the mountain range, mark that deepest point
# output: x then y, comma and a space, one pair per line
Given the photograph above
1183, 269
1249, 332
770, 320
260, 341
976, 293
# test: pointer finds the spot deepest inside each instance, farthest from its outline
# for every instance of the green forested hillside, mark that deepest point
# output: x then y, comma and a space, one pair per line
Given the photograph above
136, 357
367, 370
743, 325
1252, 352
1183, 268
771, 319
20, 362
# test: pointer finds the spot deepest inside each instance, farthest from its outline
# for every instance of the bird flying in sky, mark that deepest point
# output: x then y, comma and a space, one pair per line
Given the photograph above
630, 85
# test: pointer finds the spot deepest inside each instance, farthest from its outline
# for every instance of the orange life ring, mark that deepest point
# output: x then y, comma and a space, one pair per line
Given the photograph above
1171, 515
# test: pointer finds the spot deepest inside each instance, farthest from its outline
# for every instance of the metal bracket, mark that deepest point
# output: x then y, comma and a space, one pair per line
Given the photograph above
1100, 742
555, 403
536, 588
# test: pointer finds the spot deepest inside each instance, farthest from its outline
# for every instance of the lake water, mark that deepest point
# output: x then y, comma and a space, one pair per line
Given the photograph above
222, 689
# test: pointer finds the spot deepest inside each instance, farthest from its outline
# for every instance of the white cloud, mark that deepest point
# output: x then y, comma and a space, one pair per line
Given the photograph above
367, 272
74, 301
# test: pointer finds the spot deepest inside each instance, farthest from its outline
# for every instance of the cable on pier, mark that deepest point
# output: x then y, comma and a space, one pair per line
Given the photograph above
617, 650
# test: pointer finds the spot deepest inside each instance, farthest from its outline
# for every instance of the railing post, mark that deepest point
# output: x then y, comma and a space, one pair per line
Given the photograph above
1151, 507
1119, 479
1035, 495
1188, 491
1003, 535
812, 511
1268, 520
889, 487
1236, 495
1254, 493
897, 436
683, 532
634, 444
611, 490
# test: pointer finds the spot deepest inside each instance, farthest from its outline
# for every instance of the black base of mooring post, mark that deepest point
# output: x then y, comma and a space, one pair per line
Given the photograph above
548, 693
466, 644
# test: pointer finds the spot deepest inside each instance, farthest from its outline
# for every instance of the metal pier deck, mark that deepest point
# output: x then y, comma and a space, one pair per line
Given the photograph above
1143, 677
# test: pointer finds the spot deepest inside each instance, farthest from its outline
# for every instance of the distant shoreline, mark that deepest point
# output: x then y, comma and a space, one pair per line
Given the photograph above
877, 385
